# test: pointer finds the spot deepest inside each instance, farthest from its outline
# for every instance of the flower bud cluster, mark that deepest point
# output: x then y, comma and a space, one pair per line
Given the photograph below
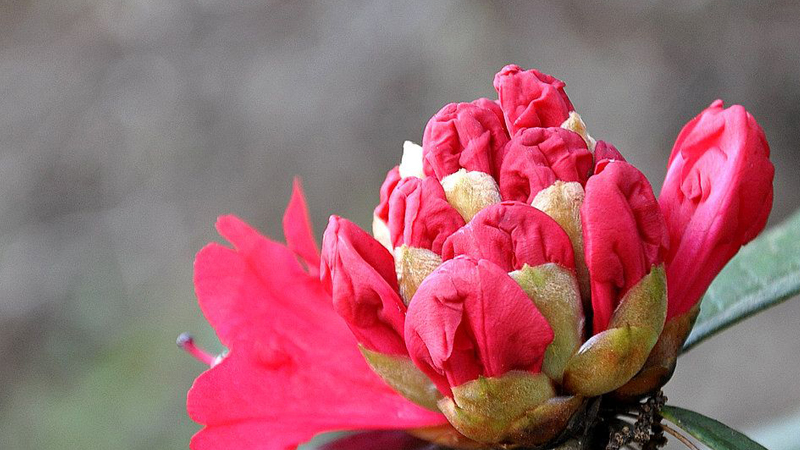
519, 267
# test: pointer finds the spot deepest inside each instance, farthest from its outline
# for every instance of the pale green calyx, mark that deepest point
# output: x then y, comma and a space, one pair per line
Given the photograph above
412, 265
470, 192
403, 376
661, 362
562, 202
611, 358
554, 291
494, 410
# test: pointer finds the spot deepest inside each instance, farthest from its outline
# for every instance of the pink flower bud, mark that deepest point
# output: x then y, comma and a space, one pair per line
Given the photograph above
624, 235
392, 178
510, 235
419, 215
470, 318
536, 157
716, 198
530, 98
462, 135
359, 273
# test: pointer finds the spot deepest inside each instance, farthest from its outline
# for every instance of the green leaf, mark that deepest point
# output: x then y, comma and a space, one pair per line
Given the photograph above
763, 274
715, 435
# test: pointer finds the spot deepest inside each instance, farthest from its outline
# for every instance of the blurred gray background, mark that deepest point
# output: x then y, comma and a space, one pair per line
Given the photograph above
127, 126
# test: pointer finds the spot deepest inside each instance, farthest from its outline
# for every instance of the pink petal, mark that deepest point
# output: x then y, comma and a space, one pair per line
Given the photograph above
493, 106
293, 369
605, 151
392, 178
531, 99
470, 318
716, 197
510, 235
624, 235
420, 216
298, 232
462, 136
536, 157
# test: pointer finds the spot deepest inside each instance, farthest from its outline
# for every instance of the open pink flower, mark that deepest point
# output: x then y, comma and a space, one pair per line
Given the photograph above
293, 369
472, 289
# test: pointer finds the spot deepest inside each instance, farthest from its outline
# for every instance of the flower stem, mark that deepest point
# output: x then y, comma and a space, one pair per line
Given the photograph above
679, 436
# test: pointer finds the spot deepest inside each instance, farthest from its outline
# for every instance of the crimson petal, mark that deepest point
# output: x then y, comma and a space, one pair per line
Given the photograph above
512, 234
298, 231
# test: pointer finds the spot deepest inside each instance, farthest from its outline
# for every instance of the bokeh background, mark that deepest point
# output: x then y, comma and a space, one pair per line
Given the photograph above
127, 126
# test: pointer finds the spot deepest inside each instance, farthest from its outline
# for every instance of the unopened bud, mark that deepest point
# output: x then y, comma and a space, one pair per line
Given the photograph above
411, 163
575, 123
562, 201
470, 192
412, 266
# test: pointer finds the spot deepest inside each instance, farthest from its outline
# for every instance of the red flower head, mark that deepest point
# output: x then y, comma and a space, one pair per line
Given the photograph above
462, 319
716, 198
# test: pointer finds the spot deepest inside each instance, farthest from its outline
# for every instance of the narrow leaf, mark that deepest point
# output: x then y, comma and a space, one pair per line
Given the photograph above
763, 274
715, 435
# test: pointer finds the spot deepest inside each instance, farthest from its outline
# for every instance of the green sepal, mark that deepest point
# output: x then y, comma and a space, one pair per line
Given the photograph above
660, 365
611, 358
645, 304
554, 291
486, 409
546, 422
608, 360
562, 201
400, 373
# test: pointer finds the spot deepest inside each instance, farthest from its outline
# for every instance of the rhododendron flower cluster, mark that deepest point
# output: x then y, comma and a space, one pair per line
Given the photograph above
517, 270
